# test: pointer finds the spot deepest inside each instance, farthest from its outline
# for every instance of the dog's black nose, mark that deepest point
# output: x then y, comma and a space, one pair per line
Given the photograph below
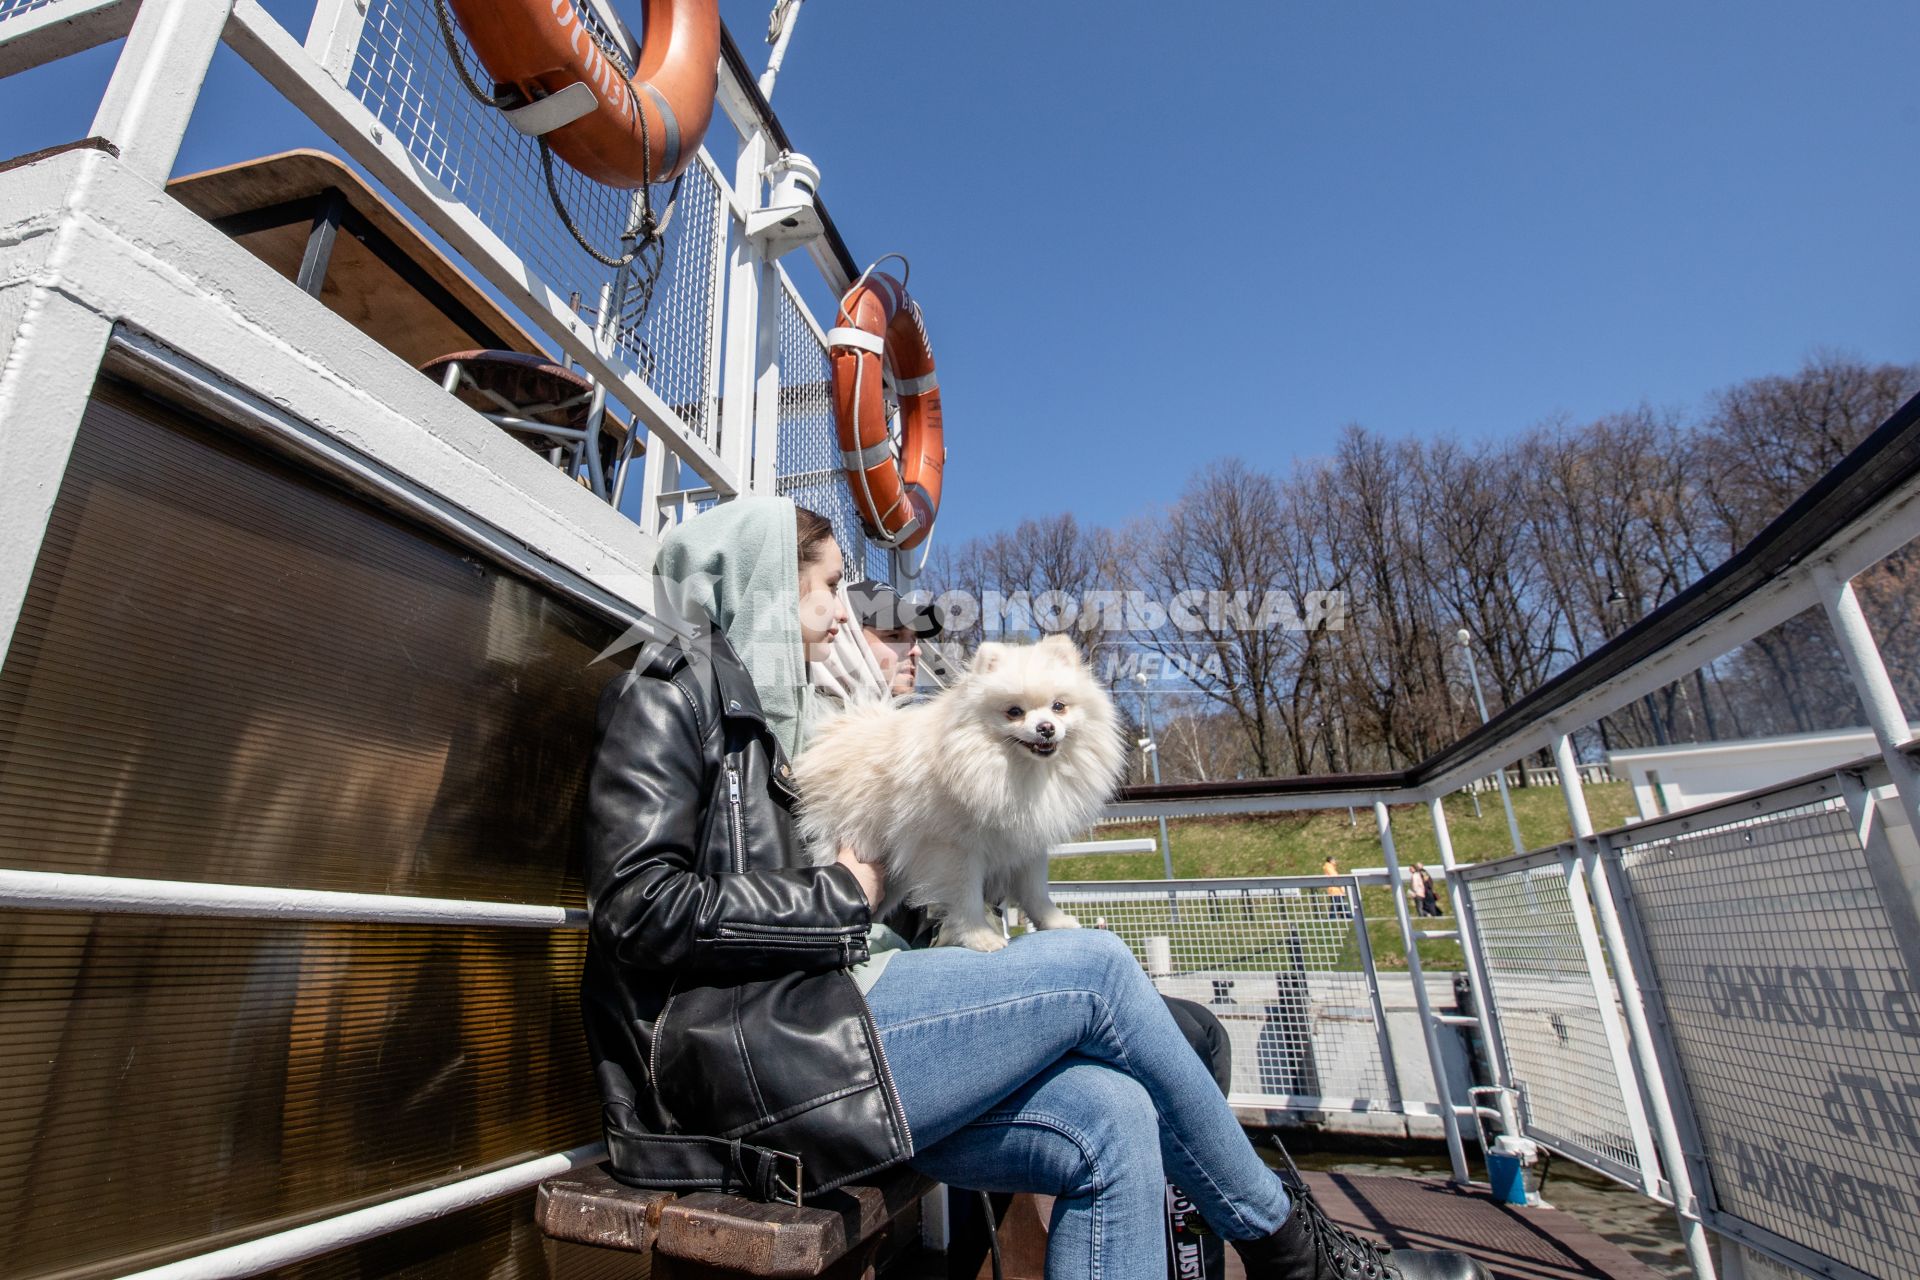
1044, 728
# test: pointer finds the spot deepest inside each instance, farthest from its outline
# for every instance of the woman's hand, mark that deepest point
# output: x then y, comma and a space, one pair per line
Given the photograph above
872, 878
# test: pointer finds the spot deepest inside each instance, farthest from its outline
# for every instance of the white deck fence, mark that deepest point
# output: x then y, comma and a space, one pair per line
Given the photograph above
1718, 1008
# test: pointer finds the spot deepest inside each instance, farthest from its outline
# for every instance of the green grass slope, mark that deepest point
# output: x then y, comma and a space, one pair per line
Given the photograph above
1295, 844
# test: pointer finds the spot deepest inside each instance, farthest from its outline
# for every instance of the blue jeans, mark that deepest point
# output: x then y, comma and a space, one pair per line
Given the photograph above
1054, 1067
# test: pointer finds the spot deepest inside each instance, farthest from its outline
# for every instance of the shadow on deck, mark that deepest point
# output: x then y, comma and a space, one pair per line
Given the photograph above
1515, 1243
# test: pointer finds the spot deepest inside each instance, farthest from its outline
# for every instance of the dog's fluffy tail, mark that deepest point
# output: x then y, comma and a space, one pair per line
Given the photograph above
843, 771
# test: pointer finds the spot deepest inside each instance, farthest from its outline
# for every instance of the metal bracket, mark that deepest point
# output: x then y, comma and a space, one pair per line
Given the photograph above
775, 231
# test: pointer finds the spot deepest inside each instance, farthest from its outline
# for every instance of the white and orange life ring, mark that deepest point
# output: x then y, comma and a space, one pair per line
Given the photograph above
543, 47
878, 327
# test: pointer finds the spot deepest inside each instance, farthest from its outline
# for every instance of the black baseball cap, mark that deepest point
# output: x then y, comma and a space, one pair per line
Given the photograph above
877, 605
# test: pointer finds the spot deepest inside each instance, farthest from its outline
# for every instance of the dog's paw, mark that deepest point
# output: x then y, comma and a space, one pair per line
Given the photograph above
974, 939
1057, 920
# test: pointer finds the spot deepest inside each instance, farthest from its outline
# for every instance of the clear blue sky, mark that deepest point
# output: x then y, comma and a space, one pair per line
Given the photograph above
1147, 235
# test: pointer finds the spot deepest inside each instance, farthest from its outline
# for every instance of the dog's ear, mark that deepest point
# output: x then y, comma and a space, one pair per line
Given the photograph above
987, 657
1058, 647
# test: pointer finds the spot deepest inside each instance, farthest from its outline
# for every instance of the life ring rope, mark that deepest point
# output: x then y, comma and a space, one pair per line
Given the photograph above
646, 232
636, 121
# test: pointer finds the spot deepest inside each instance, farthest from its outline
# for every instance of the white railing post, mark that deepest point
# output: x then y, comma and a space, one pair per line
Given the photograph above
1389, 1065
1666, 1131
1885, 715
750, 410
741, 374
766, 385
148, 102
1643, 1090
49, 358
1611, 1029
1429, 1027
659, 474
333, 35
1470, 947
726, 217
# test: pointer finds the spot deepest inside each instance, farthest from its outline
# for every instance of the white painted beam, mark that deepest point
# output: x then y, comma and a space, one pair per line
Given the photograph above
60, 29
97, 245
156, 83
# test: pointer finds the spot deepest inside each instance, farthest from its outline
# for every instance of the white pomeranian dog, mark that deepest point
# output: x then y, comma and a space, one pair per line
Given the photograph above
960, 796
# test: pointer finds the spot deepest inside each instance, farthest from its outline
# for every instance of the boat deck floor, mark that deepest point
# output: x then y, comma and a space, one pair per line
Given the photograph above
1423, 1213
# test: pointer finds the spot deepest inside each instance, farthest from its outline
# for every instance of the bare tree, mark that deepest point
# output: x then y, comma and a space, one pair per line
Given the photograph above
1544, 548
1219, 547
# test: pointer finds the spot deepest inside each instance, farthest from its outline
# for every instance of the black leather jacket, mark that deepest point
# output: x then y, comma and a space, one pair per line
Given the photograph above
733, 1051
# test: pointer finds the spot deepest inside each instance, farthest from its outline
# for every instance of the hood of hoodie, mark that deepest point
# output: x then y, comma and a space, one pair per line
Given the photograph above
737, 567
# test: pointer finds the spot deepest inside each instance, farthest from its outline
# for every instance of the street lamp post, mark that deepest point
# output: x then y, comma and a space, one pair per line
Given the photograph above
1618, 607
1152, 751
1465, 638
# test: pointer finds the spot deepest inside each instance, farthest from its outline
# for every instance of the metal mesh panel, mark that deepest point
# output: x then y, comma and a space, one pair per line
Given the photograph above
404, 74
1283, 968
12, 8
673, 344
1791, 1012
807, 466
1549, 1018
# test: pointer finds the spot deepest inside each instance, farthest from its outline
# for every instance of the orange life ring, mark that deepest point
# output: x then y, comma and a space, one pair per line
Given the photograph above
540, 47
897, 497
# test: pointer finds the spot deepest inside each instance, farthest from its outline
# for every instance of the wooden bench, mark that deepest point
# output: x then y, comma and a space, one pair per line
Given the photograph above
836, 1236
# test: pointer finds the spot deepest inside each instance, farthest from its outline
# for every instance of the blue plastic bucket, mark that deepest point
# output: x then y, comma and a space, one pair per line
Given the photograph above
1504, 1176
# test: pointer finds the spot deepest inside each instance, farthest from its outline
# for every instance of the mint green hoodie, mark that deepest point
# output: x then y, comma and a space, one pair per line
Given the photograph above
739, 565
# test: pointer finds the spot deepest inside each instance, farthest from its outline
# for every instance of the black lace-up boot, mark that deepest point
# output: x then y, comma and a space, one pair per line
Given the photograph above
1311, 1246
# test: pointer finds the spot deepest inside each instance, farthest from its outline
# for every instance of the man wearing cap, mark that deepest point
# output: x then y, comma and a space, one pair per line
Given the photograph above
893, 628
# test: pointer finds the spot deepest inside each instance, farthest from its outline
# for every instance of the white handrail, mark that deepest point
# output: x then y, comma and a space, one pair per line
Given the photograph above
288, 1247
123, 895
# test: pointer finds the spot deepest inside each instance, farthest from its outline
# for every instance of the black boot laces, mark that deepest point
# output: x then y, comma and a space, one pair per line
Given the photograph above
1346, 1253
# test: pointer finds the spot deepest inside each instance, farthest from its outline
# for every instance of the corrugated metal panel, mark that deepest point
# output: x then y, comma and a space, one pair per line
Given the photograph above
229, 671
171, 1081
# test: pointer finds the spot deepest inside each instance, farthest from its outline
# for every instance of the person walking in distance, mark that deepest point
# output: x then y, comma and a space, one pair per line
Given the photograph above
1420, 888
1338, 908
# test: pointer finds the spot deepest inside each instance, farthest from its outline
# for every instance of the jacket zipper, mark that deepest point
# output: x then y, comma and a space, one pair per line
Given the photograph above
733, 808
880, 1056
750, 928
771, 935
659, 1034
